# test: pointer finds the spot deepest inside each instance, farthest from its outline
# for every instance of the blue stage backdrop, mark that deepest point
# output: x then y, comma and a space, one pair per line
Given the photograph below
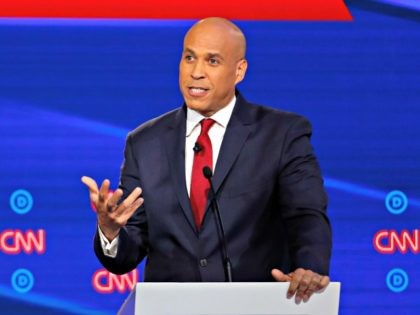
70, 90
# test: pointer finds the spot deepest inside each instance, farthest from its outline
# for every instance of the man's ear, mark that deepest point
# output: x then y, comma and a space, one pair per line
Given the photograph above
241, 70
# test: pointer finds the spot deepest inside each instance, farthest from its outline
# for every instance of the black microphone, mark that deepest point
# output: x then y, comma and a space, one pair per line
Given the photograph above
197, 148
215, 205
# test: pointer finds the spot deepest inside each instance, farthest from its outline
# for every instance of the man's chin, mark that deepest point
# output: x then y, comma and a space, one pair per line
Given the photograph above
202, 108
196, 105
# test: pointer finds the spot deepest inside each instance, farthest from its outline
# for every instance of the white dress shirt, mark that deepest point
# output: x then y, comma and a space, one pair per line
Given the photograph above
193, 129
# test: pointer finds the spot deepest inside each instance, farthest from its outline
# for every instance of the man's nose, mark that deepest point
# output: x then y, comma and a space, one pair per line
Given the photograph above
198, 71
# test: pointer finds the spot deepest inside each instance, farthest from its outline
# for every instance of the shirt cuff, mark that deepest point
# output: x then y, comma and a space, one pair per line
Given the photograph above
109, 248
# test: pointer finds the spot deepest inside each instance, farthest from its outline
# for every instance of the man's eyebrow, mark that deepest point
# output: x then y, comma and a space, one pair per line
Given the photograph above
215, 55
189, 50
208, 55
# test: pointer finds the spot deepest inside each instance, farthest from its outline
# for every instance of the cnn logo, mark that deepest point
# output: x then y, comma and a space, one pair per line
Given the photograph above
105, 282
13, 242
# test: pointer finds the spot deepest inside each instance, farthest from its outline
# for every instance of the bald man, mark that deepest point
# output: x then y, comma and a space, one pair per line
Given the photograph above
266, 179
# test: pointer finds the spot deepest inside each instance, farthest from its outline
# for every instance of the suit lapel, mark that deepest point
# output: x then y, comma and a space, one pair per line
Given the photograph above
234, 139
174, 142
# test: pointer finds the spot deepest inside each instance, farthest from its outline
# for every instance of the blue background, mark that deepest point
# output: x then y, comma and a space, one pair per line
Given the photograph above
70, 90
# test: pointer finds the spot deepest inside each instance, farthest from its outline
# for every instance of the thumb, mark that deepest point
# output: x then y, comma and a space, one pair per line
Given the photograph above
92, 186
90, 183
280, 276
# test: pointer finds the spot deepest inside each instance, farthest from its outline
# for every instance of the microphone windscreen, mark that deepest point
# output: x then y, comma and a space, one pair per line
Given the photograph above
207, 172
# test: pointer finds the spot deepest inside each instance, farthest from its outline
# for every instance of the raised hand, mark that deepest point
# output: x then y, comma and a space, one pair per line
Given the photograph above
111, 214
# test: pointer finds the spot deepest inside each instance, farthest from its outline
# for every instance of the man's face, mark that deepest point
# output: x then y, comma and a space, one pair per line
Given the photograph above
210, 67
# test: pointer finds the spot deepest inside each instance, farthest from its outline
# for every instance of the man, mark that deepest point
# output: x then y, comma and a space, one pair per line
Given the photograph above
266, 180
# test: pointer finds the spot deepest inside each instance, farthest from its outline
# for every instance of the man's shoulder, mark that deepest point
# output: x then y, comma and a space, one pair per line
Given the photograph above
157, 125
264, 115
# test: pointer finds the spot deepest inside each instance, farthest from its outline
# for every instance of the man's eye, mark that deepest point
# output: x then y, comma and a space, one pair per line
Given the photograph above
189, 58
213, 61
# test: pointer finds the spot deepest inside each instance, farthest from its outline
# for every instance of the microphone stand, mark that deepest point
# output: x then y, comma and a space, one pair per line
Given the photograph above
215, 205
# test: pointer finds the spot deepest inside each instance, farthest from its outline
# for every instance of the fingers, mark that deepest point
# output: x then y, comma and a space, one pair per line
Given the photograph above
93, 188
318, 283
112, 221
304, 283
124, 213
112, 215
104, 191
135, 194
294, 284
127, 205
106, 202
90, 183
113, 200
97, 196
325, 281
309, 279
280, 276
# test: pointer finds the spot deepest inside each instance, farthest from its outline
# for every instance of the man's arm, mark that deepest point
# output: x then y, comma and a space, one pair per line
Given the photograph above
303, 201
124, 219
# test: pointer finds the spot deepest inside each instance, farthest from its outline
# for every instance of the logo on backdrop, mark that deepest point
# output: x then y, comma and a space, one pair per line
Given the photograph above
16, 241
396, 202
105, 282
22, 280
390, 241
397, 280
21, 201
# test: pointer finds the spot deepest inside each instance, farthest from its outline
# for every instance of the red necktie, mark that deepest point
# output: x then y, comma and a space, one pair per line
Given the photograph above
200, 185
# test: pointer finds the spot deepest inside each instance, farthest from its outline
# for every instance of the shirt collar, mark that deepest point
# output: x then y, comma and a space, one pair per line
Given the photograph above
221, 117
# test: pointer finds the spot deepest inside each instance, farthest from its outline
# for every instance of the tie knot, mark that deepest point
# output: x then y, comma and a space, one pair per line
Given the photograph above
206, 125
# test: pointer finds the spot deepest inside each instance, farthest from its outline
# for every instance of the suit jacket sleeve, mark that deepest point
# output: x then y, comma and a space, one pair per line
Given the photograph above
303, 201
132, 245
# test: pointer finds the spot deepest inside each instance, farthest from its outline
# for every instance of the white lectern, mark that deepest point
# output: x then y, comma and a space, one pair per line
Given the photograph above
220, 298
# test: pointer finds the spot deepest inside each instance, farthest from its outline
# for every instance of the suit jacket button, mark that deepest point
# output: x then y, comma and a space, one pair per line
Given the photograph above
203, 262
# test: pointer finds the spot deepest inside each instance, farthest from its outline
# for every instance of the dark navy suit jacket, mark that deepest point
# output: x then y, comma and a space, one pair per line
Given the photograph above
270, 193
